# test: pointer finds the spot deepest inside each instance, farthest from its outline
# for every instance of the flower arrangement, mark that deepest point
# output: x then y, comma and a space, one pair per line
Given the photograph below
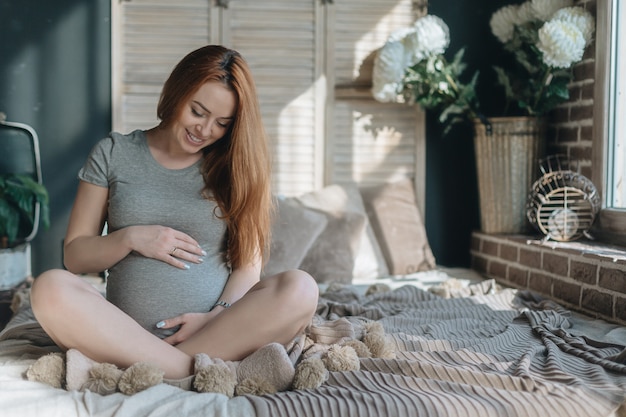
411, 67
546, 38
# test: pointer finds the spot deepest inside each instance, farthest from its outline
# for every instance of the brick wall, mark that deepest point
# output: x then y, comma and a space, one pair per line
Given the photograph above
571, 123
585, 277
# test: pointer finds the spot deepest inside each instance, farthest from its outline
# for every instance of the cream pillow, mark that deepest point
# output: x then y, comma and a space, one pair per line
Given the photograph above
396, 220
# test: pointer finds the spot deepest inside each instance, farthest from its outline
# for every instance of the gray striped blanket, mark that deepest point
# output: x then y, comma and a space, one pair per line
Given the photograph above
504, 354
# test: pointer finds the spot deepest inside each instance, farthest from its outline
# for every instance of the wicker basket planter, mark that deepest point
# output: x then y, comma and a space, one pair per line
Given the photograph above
507, 151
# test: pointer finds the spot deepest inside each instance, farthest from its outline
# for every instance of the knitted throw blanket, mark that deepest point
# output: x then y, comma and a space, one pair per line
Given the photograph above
496, 354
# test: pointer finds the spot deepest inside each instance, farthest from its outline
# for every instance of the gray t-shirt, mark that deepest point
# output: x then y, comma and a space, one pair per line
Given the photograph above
143, 192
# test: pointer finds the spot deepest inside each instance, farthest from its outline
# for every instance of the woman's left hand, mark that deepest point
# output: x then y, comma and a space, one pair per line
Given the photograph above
190, 324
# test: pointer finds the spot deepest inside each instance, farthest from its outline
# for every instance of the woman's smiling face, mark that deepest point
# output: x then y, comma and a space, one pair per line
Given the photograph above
206, 117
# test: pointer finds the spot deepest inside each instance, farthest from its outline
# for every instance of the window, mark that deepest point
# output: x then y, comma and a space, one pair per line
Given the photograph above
616, 189
609, 151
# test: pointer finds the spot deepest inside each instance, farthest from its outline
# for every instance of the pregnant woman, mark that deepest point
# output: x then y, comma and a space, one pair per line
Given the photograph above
187, 206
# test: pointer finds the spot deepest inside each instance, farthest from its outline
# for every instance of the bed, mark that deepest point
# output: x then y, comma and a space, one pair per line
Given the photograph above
463, 345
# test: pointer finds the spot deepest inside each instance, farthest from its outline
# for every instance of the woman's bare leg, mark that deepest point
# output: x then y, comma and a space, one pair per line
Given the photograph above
276, 309
76, 315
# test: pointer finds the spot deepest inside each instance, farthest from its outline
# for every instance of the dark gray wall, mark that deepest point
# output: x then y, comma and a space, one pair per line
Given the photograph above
451, 185
55, 76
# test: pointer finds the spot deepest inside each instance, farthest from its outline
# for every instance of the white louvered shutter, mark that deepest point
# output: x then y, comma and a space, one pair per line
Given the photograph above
149, 38
281, 40
312, 62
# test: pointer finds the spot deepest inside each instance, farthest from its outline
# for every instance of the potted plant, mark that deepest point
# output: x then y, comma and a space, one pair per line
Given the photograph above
545, 39
23, 201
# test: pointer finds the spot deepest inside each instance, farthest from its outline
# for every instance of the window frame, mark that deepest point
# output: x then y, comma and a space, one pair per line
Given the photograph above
610, 225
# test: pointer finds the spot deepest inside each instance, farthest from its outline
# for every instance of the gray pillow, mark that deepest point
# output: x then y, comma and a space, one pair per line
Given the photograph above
332, 256
369, 262
335, 253
294, 230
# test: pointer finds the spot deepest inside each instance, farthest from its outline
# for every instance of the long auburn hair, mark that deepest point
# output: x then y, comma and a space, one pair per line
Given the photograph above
236, 168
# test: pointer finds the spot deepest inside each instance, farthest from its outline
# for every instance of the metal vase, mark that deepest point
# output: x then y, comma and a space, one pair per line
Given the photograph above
507, 151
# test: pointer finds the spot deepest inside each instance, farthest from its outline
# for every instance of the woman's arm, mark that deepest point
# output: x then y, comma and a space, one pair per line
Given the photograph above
240, 282
87, 251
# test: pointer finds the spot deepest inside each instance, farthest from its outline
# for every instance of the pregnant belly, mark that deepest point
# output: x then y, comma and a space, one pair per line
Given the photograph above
150, 291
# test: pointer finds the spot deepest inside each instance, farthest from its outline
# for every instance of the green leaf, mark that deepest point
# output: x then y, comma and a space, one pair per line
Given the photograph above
435, 84
457, 67
20, 193
9, 220
503, 79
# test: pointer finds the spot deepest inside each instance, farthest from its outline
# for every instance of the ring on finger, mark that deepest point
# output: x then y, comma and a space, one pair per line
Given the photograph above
174, 249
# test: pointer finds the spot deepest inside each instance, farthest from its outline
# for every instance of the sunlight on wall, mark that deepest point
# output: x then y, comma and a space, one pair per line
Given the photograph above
383, 150
294, 157
394, 19
373, 142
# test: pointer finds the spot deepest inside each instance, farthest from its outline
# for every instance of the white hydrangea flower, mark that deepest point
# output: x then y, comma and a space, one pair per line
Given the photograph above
581, 18
388, 72
544, 9
399, 34
430, 36
561, 43
525, 13
503, 22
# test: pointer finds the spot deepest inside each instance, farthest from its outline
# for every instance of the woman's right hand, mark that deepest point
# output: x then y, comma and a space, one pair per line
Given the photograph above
165, 244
